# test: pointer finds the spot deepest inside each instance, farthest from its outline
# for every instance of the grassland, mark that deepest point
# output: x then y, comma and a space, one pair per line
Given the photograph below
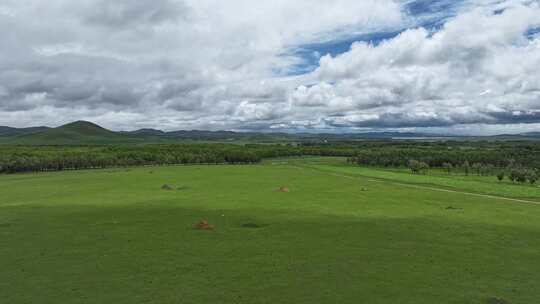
435, 177
114, 236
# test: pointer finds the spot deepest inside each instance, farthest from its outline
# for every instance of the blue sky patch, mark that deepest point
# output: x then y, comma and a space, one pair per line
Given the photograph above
429, 14
312, 53
533, 33
430, 7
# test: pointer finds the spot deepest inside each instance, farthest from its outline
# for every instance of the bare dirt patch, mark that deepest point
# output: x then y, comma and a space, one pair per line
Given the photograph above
204, 225
283, 189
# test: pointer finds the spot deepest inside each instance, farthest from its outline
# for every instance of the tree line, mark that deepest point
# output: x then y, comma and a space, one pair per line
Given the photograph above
514, 173
516, 159
58, 158
454, 154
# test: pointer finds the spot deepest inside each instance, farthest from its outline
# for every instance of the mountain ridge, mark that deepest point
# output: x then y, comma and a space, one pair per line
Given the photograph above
10, 131
74, 133
87, 133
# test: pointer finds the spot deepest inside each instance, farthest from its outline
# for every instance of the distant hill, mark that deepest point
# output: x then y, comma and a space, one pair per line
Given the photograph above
209, 135
204, 134
87, 133
75, 133
146, 132
532, 134
523, 136
273, 137
8, 131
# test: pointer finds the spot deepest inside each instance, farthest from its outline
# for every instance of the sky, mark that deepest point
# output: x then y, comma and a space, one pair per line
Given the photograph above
441, 66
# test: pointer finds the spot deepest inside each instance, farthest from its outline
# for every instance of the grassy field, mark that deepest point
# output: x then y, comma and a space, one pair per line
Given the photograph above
436, 177
114, 236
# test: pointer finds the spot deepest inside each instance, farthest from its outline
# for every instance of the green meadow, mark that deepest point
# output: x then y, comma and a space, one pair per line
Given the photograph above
342, 234
435, 177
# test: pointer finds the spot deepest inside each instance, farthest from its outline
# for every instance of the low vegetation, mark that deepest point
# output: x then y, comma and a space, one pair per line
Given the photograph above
340, 235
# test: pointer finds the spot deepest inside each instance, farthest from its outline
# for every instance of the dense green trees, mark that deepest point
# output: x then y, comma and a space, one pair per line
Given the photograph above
468, 157
523, 175
481, 158
25, 159
56, 158
515, 160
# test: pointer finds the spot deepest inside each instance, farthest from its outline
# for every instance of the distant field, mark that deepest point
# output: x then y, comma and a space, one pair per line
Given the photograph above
472, 183
114, 236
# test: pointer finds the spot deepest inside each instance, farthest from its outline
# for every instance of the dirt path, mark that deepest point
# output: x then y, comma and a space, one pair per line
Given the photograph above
374, 180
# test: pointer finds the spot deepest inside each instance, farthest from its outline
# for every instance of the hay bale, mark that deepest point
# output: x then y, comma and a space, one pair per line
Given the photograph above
204, 225
284, 189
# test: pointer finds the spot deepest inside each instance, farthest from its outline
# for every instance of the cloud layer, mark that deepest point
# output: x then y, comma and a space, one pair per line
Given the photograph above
208, 64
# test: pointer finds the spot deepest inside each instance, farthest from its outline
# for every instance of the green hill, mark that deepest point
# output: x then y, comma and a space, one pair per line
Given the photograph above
75, 133
9, 132
87, 133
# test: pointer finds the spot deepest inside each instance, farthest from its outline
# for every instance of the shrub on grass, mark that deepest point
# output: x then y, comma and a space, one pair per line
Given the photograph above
466, 167
532, 177
166, 187
447, 167
418, 167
